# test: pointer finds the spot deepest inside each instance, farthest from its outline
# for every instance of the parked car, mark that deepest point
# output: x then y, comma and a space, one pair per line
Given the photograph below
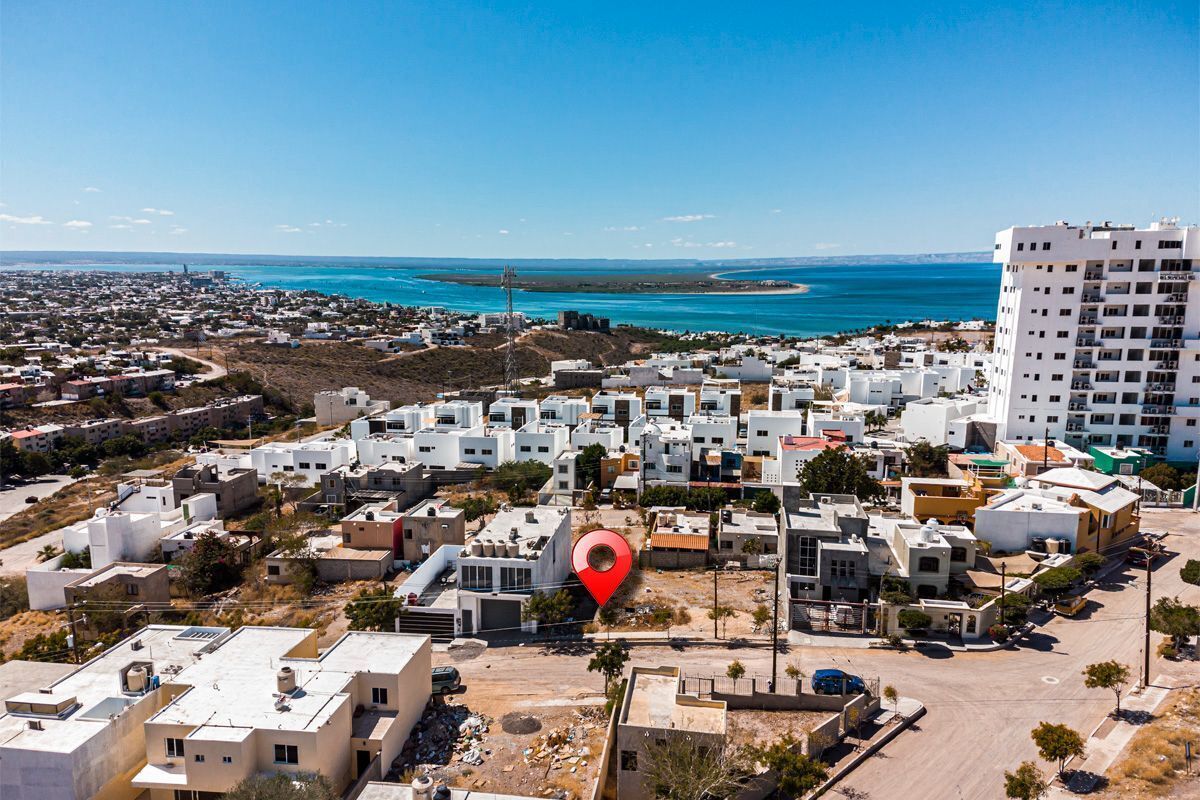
31, 499
1070, 604
834, 681
445, 680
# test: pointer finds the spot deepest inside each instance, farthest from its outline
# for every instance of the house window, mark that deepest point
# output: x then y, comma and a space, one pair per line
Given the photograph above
272, 569
174, 748
928, 564
474, 577
629, 760
515, 579
287, 754
379, 695
958, 554
199, 758
226, 759
131, 589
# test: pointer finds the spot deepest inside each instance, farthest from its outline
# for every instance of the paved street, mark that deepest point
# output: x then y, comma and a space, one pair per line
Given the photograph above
981, 706
12, 498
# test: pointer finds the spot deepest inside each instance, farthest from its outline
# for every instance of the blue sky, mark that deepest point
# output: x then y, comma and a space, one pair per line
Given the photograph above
572, 129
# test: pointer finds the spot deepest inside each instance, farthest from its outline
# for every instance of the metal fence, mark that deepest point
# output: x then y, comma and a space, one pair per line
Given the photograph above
747, 685
824, 615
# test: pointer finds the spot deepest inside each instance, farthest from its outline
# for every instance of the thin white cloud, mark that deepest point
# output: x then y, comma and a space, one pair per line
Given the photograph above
776, 210
178, 230
287, 229
90, 189
679, 241
687, 218
121, 227
130, 220
162, 212
826, 245
622, 229
78, 224
36, 219
327, 224
503, 232
568, 233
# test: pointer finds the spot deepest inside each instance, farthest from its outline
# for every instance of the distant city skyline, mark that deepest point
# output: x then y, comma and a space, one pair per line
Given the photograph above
588, 130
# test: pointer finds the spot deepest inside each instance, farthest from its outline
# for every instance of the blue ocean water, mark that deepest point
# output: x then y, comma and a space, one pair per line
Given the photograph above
840, 298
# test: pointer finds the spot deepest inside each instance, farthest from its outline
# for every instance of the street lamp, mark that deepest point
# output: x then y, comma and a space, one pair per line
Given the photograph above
774, 561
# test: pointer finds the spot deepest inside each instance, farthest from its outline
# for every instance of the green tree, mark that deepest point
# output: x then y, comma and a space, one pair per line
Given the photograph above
1057, 743
212, 565
159, 399
609, 660
1090, 563
1026, 783
282, 786
1175, 619
1057, 580
752, 546
587, 465
1014, 607
1164, 476
721, 614
374, 610
896, 591
1190, 572
47, 552
761, 615
518, 478
797, 773
912, 620
547, 609
1111, 675
665, 496
735, 670
892, 696
925, 460
681, 768
766, 502
608, 616
14, 597
838, 471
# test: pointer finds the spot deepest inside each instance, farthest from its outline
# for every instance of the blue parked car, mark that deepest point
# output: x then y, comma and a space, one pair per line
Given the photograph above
834, 681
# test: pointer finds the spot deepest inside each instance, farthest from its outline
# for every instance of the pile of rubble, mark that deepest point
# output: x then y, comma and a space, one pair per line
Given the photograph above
447, 734
564, 747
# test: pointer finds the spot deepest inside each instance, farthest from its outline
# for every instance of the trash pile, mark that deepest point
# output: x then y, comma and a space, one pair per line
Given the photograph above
564, 747
446, 734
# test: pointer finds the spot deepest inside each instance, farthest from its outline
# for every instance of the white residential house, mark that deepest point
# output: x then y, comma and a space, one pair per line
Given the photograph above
666, 449
712, 433
591, 431
341, 406
721, 397
406, 419
513, 412
520, 551
616, 407
563, 409
929, 419
823, 421
541, 441
763, 429
307, 460
663, 402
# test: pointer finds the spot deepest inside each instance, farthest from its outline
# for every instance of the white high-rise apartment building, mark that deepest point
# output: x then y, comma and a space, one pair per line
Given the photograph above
1098, 336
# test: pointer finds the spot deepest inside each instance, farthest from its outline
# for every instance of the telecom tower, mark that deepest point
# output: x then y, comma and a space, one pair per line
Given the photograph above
510, 355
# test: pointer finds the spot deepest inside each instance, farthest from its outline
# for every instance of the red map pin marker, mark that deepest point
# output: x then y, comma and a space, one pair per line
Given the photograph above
601, 582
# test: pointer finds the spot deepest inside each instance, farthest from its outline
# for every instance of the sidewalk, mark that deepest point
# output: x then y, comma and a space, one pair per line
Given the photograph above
1111, 736
884, 726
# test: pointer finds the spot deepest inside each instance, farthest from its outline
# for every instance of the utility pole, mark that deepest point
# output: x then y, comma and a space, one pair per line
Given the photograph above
1046, 449
510, 355
74, 636
1003, 583
1149, 554
715, 603
775, 629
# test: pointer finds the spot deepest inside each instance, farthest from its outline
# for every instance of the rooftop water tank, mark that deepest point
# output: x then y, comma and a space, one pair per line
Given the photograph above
285, 680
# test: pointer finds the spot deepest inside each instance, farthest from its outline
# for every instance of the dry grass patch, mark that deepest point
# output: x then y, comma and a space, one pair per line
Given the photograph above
1153, 764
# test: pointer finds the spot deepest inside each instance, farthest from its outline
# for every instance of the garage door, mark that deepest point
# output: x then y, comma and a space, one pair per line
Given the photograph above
497, 615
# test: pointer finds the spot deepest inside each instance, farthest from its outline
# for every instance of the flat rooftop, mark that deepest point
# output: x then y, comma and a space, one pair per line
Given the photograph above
654, 702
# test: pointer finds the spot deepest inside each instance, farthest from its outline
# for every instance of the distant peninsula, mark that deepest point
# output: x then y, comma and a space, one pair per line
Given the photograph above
625, 283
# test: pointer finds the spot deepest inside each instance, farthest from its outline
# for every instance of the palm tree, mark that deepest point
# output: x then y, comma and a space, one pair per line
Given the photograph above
46, 553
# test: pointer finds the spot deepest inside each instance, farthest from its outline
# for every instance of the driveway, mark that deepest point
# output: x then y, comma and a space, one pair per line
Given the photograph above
981, 706
215, 370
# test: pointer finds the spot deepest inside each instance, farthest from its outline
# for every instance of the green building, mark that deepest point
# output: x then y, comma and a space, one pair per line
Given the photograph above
1120, 461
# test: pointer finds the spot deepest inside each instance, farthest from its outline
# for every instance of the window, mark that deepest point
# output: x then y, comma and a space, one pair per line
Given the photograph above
379, 695
629, 760
199, 757
305, 465
928, 564
272, 569
1020, 246
958, 554
474, 577
760, 433
287, 754
131, 589
806, 557
174, 748
226, 759
515, 579
1106, 521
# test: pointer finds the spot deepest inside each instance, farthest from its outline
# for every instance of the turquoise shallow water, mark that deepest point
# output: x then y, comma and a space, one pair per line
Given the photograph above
841, 298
